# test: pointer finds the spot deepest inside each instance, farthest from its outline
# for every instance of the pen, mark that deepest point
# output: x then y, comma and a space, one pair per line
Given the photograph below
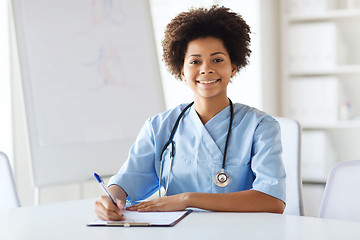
98, 178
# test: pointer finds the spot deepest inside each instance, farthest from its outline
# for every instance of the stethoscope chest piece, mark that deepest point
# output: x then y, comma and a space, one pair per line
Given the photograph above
221, 179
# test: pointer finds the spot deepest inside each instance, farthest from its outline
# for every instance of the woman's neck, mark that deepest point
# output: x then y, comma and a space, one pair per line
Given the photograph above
208, 108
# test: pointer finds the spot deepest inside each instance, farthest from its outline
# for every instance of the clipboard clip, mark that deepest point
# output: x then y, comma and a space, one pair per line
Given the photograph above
127, 224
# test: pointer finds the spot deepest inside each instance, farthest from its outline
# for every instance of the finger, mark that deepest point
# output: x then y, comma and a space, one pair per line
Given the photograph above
120, 204
106, 214
132, 208
137, 206
149, 206
108, 204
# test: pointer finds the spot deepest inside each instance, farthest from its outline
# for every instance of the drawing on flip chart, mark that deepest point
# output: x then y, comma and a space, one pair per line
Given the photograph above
111, 69
109, 10
89, 73
102, 12
65, 49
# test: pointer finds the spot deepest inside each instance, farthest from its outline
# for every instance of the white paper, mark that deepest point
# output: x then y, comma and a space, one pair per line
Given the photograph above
152, 218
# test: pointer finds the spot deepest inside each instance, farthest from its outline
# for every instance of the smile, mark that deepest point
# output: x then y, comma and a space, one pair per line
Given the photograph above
208, 82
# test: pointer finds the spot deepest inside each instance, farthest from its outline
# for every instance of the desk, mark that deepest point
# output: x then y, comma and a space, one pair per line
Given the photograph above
68, 221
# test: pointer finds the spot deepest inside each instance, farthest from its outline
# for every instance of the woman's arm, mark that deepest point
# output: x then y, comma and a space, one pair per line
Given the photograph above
244, 201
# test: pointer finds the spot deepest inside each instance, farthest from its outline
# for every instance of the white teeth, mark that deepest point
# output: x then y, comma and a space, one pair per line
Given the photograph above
207, 82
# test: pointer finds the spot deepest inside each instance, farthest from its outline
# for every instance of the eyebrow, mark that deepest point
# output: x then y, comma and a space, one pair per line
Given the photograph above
212, 54
217, 53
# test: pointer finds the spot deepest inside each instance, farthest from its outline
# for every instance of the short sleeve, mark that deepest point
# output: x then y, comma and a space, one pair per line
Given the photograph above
266, 164
137, 176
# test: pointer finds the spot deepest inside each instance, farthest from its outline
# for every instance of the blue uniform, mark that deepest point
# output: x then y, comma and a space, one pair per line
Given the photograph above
253, 157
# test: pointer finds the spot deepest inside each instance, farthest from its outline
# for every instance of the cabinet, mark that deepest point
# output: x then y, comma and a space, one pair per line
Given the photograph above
320, 54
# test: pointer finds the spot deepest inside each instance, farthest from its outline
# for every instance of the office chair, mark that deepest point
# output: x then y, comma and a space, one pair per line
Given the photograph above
8, 194
342, 192
291, 142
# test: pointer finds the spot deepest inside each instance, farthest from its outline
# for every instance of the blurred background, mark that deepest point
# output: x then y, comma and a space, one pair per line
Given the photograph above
305, 64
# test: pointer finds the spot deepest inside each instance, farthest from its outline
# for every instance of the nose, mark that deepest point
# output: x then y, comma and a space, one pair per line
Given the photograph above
206, 68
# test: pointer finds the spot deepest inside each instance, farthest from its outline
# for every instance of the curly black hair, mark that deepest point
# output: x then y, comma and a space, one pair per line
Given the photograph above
218, 22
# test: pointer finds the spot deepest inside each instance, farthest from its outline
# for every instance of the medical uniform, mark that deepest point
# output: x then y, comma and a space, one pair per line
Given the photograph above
253, 157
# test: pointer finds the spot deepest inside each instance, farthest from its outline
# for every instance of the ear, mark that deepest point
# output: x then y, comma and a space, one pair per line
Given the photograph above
233, 70
183, 75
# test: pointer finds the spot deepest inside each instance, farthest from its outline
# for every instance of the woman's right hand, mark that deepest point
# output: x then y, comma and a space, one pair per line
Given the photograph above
106, 210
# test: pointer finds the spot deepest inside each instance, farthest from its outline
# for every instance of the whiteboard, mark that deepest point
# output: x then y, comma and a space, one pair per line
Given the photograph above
90, 79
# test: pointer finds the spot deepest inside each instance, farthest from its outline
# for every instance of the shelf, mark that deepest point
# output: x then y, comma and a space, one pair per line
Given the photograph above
338, 125
329, 15
338, 70
316, 38
314, 181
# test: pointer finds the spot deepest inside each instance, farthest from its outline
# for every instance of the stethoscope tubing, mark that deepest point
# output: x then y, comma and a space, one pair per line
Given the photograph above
172, 153
173, 133
228, 135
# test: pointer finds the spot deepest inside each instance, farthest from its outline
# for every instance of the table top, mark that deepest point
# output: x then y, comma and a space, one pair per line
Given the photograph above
67, 220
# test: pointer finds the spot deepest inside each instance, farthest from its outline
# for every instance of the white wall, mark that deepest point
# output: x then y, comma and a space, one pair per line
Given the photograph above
5, 93
270, 56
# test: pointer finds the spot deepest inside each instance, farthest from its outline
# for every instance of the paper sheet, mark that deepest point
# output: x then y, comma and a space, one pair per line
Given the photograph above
134, 218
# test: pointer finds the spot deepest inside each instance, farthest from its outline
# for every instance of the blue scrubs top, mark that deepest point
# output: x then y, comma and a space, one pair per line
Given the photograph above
253, 157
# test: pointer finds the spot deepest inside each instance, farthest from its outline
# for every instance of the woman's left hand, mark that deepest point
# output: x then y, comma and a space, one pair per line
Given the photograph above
164, 204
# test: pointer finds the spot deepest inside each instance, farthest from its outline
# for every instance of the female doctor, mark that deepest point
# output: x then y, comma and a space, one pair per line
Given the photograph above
210, 154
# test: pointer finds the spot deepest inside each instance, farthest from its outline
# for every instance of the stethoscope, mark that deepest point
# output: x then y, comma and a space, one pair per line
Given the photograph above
221, 179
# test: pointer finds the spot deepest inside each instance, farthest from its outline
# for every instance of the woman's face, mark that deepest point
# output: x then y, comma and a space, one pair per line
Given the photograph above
207, 68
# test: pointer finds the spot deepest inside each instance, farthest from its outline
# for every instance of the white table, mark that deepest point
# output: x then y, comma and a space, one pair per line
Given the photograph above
68, 221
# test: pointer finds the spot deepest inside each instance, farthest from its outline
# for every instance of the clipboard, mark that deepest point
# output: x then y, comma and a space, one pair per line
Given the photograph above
144, 219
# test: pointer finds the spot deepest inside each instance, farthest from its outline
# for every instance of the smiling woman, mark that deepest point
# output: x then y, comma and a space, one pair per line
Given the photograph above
247, 86
211, 153
232, 30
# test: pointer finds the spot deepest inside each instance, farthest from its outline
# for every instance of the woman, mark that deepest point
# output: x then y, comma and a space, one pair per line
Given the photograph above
210, 154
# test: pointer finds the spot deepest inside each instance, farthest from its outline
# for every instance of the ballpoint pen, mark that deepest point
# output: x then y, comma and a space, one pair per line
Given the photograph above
98, 178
